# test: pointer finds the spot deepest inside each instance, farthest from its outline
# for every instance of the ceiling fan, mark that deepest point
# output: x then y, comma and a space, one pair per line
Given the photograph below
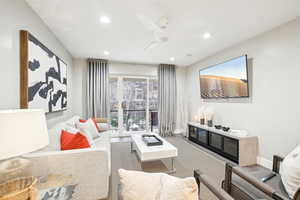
157, 28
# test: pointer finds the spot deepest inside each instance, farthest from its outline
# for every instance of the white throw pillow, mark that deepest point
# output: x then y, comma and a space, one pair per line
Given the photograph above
290, 172
140, 185
54, 137
88, 126
178, 189
156, 186
86, 134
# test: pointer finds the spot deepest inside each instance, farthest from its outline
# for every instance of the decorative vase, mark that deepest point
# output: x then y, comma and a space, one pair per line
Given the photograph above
202, 121
210, 123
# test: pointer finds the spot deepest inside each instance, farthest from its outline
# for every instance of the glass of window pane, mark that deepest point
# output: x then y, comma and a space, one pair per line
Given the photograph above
113, 83
134, 104
153, 104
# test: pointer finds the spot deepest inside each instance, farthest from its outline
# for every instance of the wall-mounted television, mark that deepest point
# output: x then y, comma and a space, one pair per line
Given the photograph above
225, 80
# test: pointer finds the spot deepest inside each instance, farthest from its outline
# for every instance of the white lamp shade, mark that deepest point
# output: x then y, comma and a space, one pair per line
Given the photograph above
22, 131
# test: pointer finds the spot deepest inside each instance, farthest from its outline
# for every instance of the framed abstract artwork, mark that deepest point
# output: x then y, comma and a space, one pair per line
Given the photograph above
43, 76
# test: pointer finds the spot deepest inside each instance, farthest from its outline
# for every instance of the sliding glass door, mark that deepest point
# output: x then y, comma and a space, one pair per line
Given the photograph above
133, 103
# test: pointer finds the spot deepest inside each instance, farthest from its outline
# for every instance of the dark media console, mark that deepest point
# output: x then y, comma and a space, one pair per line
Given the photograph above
241, 150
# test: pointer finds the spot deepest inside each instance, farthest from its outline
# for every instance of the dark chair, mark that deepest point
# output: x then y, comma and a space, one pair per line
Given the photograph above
216, 190
247, 183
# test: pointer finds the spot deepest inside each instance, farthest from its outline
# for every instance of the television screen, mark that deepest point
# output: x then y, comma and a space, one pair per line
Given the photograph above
225, 80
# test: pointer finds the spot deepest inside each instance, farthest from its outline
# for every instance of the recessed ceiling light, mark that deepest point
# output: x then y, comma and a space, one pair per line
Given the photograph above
104, 20
206, 36
106, 53
172, 58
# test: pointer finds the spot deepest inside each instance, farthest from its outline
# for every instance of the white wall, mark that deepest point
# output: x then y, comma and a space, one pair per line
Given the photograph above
79, 86
132, 69
16, 15
273, 111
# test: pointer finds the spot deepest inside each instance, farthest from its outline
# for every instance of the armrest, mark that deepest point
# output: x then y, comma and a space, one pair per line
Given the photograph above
216, 190
89, 168
276, 163
258, 184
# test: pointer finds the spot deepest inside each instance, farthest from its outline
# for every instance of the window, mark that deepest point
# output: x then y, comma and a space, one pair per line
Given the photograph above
134, 102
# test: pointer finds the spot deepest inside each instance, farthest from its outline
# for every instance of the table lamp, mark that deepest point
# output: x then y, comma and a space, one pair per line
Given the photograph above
21, 131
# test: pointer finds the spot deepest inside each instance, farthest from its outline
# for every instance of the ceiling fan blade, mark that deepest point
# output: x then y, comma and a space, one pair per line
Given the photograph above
148, 23
152, 45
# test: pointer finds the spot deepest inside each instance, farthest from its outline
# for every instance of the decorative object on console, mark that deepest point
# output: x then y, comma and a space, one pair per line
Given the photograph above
209, 115
226, 129
218, 126
43, 76
210, 123
202, 121
22, 131
202, 115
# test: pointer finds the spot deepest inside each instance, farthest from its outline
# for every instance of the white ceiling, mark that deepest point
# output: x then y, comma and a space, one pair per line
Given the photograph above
76, 24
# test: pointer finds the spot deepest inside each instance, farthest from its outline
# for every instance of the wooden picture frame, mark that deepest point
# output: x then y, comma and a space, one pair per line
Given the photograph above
43, 76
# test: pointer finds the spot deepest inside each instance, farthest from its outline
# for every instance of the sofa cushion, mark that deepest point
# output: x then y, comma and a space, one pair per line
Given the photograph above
290, 172
71, 141
88, 126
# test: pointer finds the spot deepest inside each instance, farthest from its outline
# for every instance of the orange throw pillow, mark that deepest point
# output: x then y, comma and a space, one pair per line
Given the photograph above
69, 141
94, 120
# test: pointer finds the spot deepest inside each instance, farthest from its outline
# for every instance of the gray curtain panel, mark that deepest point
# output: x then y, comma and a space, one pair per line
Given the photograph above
97, 88
167, 99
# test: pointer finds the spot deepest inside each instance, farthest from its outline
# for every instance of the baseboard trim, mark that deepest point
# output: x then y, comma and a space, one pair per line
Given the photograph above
264, 162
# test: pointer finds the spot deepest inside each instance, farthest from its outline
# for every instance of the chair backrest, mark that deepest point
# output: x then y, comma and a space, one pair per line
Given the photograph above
216, 190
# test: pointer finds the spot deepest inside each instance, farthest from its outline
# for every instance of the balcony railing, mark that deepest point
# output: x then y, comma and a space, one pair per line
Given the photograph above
135, 120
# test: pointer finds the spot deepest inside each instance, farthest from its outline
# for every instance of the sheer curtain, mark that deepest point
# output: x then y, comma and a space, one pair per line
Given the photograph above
167, 99
97, 88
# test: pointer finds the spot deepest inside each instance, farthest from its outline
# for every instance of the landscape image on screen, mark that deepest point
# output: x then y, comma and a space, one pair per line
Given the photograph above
225, 80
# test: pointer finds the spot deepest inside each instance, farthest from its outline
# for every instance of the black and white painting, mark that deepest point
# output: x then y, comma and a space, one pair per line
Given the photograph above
47, 78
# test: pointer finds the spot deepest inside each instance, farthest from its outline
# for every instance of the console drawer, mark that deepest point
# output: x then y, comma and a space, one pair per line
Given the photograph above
231, 147
203, 136
216, 141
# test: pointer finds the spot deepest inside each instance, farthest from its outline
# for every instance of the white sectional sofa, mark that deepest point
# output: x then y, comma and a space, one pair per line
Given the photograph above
90, 168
